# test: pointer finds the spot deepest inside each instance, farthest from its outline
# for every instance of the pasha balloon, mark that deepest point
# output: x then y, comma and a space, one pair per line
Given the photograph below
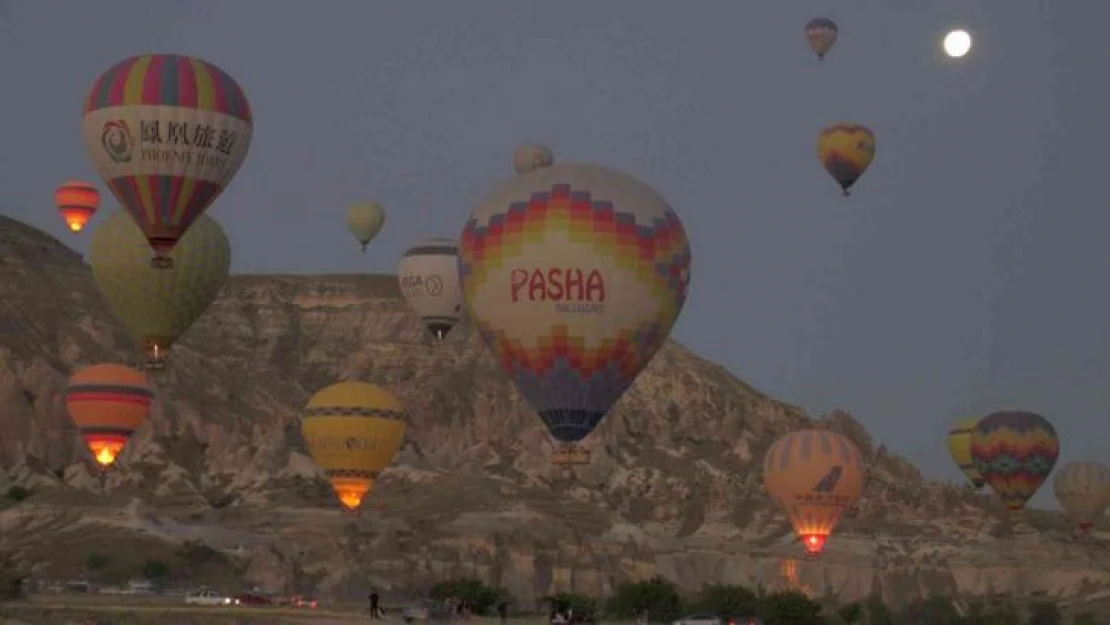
959, 448
429, 278
821, 33
365, 221
814, 476
529, 158
167, 133
108, 403
1014, 451
846, 151
353, 430
574, 275
77, 202
1083, 490
157, 306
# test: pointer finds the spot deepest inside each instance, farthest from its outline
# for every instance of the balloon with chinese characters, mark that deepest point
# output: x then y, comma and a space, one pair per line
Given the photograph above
574, 274
167, 133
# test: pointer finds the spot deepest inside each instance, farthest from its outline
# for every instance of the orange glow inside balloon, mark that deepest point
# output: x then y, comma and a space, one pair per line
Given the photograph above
105, 452
814, 543
351, 498
76, 223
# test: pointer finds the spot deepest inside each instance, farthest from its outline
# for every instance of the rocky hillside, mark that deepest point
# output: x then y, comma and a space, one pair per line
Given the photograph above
674, 488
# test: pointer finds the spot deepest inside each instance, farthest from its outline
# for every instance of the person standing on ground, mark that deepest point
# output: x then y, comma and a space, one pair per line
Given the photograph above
503, 612
374, 603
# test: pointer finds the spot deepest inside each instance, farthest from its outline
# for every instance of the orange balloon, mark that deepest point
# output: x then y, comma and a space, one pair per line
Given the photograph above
77, 202
107, 404
814, 475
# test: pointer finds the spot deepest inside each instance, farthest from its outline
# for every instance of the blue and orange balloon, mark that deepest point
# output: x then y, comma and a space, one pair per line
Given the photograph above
1015, 452
846, 151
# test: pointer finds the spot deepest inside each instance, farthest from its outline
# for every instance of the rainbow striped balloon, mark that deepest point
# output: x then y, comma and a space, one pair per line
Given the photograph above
1015, 452
167, 133
108, 403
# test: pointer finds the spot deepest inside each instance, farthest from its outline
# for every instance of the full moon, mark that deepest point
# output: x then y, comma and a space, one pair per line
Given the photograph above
957, 43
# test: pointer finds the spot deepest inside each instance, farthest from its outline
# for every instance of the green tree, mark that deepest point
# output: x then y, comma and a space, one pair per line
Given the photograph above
572, 600
658, 596
790, 607
18, 493
1085, 618
937, 610
877, 612
1001, 611
851, 614
725, 600
155, 569
96, 561
480, 596
1044, 612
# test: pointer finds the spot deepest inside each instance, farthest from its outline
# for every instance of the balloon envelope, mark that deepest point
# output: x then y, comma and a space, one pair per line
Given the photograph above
429, 279
959, 448
529, 158
1083, 490
77, 202
353, 430
574, 275
167, 133
365, 221
814, 475
107, 403
846, 151
156, 306
821, 33
1014, 451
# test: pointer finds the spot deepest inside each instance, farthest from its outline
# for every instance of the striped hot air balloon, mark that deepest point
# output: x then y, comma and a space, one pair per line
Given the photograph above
1083, 490
814, 475
821, 33
959, 447
107, 403
77, 202
1015, 452
353, 430
846, 151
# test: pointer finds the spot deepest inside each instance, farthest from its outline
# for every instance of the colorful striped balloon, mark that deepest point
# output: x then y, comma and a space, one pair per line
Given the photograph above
1015, 452
77, 202
846, 151
108, 403
167, 133
821, 33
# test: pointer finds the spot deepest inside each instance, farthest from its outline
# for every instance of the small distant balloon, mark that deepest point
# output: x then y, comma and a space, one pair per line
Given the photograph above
365, 221
846, 151
957, 43
529, 158
821, 34
77, 202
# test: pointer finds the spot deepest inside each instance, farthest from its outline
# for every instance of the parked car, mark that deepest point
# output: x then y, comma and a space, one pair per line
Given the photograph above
252, 598
303, 601
700, 619
207, 596
426, 610
744, 620
574, 616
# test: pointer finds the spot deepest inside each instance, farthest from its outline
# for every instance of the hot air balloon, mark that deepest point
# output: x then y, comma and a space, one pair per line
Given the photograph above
529, 158
77, 202
353, 430
158, 306
821, 34
107, 404
365, 221
574, 275
846, 151
1083, 490
1014, 451
429, 277
167, 133
814, 475
959, 447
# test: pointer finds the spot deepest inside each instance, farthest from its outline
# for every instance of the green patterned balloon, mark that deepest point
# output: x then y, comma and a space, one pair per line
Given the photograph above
157, 306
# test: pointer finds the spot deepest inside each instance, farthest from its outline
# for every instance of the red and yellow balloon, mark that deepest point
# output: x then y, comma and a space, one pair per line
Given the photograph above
107, 403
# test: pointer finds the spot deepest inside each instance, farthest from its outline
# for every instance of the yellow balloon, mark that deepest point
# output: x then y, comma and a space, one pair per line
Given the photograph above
814, 475
353, 430
846, 151
959, 447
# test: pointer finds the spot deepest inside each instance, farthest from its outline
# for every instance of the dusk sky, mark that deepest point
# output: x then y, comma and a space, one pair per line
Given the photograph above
956, 281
